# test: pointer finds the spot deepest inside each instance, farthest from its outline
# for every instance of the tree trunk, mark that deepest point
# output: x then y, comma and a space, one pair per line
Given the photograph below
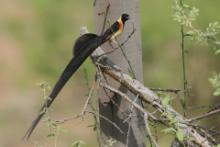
110, 105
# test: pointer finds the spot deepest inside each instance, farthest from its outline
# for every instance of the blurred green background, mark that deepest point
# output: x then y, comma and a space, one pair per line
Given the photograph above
36, 39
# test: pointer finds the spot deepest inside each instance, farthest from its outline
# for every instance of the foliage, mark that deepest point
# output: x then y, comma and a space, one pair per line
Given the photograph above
45, 88
78, 143
169, 130
215, 81
173, 121
55, 129
165, 99
180, 135
186, 15
110, 142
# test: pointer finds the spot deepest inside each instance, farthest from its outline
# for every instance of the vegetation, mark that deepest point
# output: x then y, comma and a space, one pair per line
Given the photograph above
37, 39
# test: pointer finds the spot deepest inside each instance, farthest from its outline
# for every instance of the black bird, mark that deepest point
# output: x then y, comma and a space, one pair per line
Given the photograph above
84, 46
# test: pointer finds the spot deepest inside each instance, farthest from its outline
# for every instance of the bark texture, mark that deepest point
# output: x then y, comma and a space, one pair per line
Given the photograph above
111, 105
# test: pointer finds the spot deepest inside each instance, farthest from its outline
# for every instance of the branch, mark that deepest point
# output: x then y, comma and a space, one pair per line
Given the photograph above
138, 107
137, 88
151, 98
205, 115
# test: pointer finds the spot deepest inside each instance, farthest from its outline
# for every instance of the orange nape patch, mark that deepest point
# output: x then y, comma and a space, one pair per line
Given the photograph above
119, 31
120, 23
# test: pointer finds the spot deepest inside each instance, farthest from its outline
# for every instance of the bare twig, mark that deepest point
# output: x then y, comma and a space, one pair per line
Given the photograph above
128, 134
128, 99
82, 113
150, 135
134, 104
206, 115
183, 52
131, 110
91, 112
129, 119
131, 70
166, 90
88, 99
86, 78
105, 17
120, 46
108, 120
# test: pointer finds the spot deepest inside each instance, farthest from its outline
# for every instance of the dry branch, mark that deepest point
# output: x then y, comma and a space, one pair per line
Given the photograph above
151, 98
148, 96
205, 115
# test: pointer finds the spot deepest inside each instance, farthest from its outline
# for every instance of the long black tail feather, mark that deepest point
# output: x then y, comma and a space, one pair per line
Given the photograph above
70, 69
67, 73
82, 49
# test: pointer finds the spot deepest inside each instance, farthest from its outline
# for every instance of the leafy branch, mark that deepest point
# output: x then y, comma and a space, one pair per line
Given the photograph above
185, 15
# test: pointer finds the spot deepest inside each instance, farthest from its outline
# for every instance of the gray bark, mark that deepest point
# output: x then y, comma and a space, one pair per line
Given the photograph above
111, 105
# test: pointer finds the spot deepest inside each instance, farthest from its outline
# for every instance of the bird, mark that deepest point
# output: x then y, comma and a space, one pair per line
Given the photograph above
83, 47
117, 27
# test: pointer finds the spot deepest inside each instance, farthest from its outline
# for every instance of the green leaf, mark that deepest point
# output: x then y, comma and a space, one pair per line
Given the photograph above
186, 6
215, 81
217, 51
78, 143
166, 100
190, 33
51, 135
180, 135
217, 92
168, 130
218, 145
110, 142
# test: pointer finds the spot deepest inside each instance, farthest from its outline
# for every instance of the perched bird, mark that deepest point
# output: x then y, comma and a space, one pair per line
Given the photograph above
117, 27
84, 46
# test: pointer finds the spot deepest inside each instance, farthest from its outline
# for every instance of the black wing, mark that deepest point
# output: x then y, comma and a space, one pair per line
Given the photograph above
110, 31
82, 42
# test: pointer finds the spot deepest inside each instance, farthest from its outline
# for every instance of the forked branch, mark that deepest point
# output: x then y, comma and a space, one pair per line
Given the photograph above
170, 116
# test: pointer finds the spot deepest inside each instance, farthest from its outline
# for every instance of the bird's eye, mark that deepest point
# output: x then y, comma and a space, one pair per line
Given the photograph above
125, 16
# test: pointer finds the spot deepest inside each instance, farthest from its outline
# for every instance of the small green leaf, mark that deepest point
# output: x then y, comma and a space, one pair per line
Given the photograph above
110, 142
216, 93
166, 100
218, 145
51, 135
215, 81
217, 51
78, 143
180, 135
190, 33
168, 130
186, 6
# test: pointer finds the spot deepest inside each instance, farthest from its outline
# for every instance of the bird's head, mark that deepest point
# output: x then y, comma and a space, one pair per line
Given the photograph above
124, 17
